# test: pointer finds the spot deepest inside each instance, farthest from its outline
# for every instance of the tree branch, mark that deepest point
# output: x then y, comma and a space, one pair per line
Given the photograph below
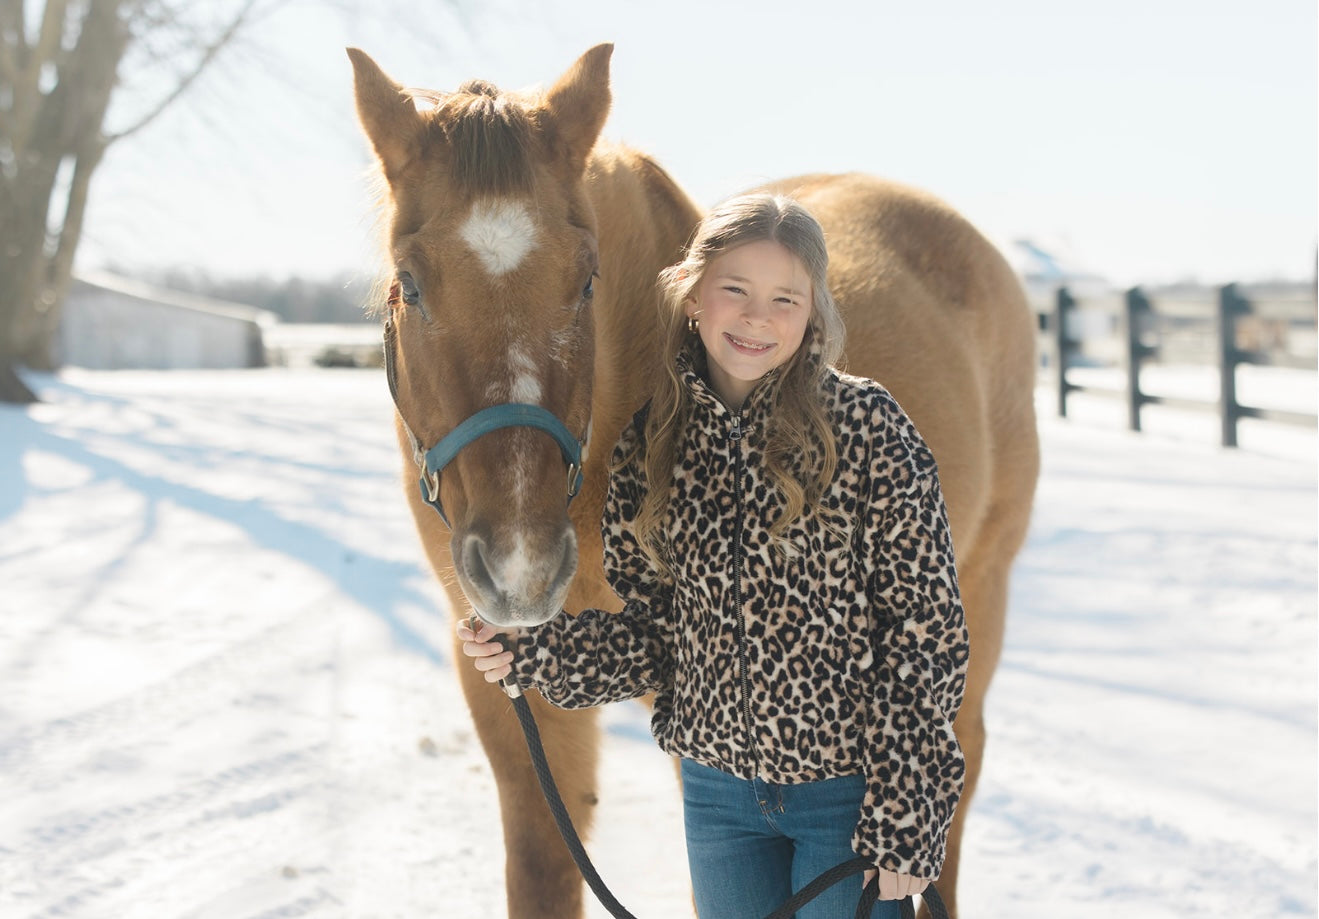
70, 233
12, 22
189, 78
52, 30
26, 82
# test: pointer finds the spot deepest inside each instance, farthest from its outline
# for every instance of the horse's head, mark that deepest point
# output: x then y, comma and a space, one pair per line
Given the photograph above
493, 249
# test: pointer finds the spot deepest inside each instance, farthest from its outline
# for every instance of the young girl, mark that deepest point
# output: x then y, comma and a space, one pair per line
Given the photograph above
776, 531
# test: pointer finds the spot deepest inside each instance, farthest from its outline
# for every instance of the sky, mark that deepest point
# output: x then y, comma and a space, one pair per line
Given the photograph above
1144, 140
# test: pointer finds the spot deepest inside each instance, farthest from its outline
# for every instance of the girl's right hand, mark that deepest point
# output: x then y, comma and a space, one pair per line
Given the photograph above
488, 655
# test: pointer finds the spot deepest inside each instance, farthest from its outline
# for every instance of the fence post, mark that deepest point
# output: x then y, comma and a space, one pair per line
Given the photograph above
1137, 307
1230, 305
1062, 306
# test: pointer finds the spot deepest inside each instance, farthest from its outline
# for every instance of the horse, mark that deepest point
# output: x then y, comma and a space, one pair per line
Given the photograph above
523, 251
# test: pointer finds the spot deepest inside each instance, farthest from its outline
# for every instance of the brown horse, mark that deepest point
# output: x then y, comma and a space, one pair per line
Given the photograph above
525, 253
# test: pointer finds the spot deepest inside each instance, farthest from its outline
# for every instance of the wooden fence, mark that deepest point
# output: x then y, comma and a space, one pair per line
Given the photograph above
1227, 328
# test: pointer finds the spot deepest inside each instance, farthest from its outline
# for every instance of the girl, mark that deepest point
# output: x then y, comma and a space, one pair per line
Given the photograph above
776, 531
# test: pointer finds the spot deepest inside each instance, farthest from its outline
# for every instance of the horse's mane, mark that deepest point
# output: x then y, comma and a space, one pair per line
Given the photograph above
488, 133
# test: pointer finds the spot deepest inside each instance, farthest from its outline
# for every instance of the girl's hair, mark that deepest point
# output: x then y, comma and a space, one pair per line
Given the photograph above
800, 450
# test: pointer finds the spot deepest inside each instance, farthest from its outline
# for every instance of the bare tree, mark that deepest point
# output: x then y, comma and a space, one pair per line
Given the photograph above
58, 76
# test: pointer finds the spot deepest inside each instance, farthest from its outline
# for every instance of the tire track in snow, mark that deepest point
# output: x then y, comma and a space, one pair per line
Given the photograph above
130, 849
44, 756
112, 856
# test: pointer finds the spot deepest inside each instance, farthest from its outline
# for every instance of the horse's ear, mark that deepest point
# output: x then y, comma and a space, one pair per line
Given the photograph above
578, 104
387, 112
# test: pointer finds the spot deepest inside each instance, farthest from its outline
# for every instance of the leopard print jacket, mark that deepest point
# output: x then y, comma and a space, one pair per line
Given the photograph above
839, 656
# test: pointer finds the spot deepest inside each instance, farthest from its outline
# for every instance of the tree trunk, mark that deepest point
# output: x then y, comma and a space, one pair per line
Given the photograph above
63, 124
23, 287
12, 388
22, 260
60, 274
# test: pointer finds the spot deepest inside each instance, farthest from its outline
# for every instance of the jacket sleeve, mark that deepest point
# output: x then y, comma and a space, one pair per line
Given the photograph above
916, 768
595, 656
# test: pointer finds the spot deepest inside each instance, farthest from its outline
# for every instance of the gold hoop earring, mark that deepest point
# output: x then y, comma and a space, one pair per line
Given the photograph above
694, 324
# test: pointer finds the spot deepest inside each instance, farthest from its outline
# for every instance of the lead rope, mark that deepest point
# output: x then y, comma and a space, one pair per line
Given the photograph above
869, 895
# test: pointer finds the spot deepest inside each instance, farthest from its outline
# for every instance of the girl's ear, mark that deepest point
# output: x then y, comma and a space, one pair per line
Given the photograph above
689, 304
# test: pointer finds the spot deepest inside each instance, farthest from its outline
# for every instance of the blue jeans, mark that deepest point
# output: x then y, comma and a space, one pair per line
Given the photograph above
751, 844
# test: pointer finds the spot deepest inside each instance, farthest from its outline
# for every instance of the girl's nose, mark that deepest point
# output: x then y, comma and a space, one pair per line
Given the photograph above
756, 309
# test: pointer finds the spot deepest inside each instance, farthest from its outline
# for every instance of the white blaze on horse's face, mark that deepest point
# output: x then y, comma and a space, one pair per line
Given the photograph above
520, 384
501, 233
524, 388
524, 374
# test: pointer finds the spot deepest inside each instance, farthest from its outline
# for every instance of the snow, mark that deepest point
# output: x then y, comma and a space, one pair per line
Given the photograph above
226, 690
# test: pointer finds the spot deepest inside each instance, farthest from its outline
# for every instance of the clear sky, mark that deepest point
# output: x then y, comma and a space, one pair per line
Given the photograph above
1146, 140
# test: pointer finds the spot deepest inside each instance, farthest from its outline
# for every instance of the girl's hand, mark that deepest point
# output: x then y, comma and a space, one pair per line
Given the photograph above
894, 886
488, 655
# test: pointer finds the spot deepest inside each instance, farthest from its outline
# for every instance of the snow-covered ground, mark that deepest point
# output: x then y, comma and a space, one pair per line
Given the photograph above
226, 690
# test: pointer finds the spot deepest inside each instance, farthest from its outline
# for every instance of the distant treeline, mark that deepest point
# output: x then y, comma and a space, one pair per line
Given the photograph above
338, 299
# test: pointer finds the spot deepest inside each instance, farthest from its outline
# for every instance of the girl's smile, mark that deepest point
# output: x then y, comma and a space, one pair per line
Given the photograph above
746, 346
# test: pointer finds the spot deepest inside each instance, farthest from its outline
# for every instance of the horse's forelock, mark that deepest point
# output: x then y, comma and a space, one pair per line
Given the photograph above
490, 139
479, 88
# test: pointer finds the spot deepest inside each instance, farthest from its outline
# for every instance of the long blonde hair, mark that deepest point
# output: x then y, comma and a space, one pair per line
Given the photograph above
800, 449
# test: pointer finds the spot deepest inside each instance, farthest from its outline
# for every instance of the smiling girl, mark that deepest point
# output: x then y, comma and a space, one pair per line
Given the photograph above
777, 533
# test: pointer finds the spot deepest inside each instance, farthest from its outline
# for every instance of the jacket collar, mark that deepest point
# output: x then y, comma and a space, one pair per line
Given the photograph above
692, 370
691, 366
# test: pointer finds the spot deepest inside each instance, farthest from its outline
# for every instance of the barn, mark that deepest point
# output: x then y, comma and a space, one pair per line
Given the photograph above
114, 323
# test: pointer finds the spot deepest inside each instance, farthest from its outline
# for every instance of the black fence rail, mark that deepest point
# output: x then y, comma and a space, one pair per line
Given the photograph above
1226, 327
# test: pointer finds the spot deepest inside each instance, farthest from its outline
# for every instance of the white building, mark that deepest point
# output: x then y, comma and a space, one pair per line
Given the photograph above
114, 323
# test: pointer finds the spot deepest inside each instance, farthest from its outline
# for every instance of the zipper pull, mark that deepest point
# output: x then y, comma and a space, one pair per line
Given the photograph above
736, 433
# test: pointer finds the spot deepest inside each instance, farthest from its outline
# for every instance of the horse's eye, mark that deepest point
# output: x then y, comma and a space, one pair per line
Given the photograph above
589, 290
408, 288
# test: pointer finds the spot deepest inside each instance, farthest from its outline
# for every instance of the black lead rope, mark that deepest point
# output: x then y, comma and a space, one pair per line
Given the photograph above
869, 896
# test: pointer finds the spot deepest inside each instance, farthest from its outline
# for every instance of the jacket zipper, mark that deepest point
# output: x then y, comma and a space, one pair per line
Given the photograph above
736, 437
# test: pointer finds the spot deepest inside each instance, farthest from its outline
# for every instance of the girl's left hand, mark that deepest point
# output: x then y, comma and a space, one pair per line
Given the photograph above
894, 886
490, 656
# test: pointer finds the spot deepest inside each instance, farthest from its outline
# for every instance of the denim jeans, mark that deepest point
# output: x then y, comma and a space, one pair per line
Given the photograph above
751, 844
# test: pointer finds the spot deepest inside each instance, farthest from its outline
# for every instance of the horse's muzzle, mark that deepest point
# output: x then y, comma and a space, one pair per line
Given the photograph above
516, 586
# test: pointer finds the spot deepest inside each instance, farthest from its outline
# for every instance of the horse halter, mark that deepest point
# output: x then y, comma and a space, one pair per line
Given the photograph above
508, 415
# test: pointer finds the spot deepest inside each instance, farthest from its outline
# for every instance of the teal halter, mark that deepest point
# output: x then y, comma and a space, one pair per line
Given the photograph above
508, 415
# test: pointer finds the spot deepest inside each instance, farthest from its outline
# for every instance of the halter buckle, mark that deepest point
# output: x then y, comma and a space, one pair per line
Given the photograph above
431, 482
574, 480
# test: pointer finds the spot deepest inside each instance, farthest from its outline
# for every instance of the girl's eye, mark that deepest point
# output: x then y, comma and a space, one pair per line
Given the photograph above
408, 289
734, 290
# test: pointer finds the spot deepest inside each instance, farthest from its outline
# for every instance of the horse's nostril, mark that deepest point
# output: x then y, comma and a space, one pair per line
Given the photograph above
567, 564
474, 562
